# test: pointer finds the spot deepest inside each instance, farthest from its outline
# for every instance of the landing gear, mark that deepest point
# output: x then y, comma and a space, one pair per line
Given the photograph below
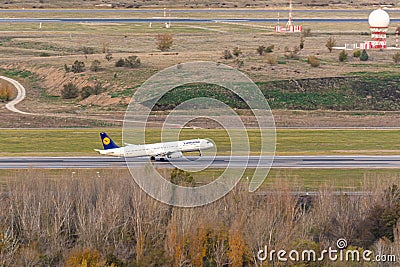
162, 159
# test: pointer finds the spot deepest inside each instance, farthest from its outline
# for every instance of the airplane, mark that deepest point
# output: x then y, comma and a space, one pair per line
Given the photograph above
156, 151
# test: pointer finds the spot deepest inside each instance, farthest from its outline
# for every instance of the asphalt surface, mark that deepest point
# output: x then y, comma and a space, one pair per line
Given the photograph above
296, 162
177, 20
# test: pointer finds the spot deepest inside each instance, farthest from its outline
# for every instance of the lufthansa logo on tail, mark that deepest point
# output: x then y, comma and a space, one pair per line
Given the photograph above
106, 141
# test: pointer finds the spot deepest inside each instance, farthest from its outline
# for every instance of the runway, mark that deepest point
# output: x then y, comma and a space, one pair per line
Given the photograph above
178, 20
290, 162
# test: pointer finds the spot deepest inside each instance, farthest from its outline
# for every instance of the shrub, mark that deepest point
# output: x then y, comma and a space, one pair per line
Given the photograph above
301, 45
307, 32
98, 89
86, 257
180, 177
96, 66
292, 53
132, 62
44, 54
227, 54
364, 55
88, 50
86, 92
66, 68
237, 51
330, 43
108, 56
269, 49
357, 53
78, 66
271, 59
120, 63
239, 63
396, 57
164, 41
343, 56
313, 61
260, 50
69, 91
6, 93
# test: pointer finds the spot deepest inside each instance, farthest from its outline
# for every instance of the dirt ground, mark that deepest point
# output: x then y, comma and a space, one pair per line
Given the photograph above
44, 52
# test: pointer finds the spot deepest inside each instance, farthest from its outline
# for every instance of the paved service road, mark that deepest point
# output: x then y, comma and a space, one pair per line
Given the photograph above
300, 162
21, 93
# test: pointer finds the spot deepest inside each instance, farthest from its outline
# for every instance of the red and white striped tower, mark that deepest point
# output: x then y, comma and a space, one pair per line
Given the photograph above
379, 21
290, 21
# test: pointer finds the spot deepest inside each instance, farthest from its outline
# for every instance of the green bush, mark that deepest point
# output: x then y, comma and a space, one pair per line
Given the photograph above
357, 53
364, 55
343, 56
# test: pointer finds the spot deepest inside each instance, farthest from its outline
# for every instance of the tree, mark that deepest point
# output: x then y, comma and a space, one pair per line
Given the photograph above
301, 45
307, 32
396, 57
78, 66
330, 43
364, 55
69, 91
96, 66
343, 56
164, 41
237, 51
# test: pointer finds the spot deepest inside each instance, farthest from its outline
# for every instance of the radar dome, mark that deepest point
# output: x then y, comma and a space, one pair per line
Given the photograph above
379, 19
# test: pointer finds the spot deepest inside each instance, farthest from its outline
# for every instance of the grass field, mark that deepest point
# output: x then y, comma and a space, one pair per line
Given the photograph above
296, 179
81, 142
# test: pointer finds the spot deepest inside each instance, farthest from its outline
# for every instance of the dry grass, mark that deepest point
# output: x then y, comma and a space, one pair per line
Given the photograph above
77, 216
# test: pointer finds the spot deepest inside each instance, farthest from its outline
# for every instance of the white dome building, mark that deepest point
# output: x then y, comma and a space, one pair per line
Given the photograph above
379, 21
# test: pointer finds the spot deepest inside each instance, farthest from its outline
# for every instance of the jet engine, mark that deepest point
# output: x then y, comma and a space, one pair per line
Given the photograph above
175, 155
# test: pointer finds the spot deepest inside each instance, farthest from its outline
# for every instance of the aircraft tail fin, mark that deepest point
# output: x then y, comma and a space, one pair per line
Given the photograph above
108, 143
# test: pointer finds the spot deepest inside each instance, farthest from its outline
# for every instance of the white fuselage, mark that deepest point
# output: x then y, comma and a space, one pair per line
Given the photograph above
162, 150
